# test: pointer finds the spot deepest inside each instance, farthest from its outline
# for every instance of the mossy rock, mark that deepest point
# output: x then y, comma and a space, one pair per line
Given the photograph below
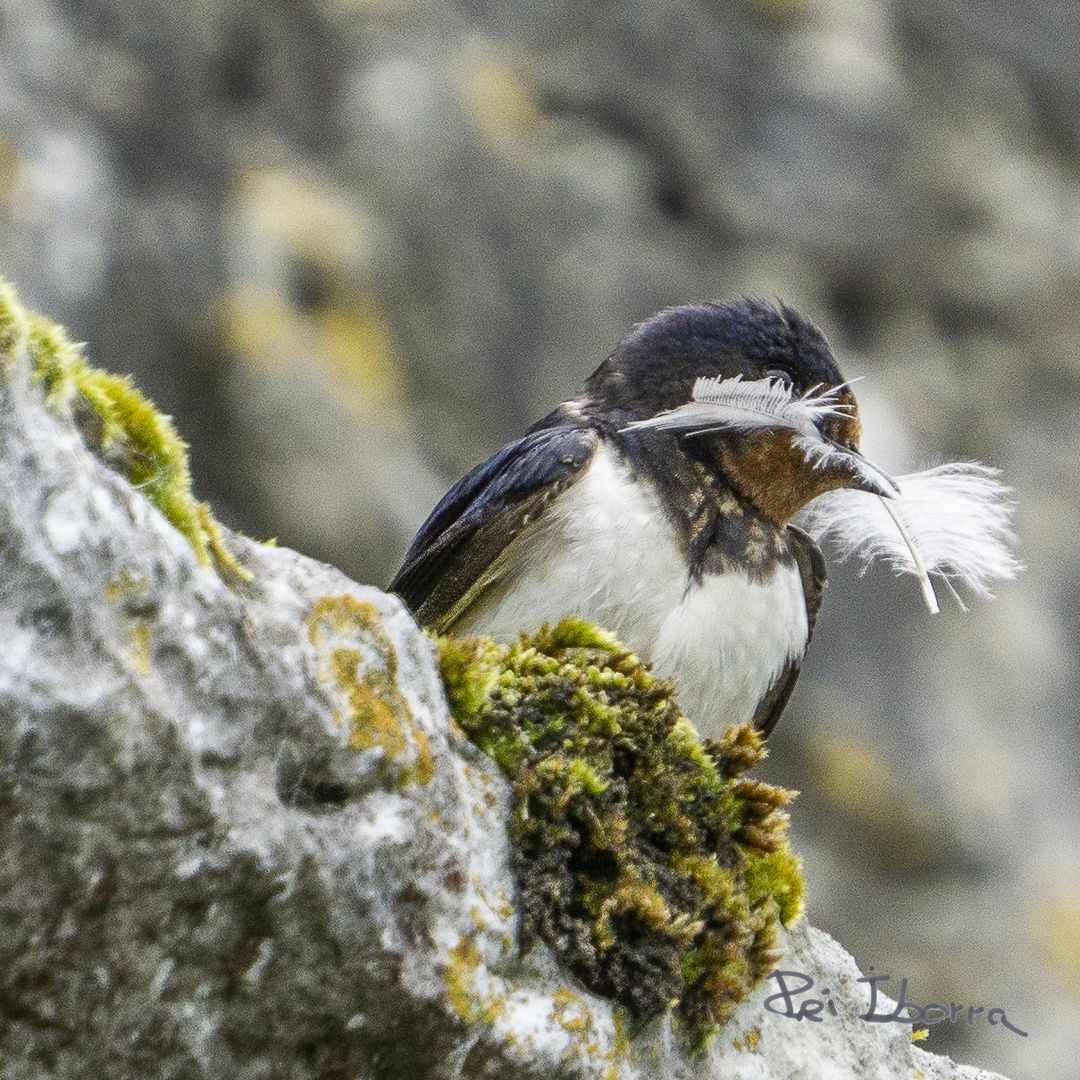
117, 422
655, 871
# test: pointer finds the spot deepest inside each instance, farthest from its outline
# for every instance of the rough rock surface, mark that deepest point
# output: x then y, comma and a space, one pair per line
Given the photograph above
356, 245
222, 855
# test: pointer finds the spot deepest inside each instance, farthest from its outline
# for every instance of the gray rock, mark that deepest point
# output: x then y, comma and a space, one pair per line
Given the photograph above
241, 837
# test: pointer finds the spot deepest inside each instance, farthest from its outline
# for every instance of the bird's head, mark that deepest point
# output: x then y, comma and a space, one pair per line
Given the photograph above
646, 389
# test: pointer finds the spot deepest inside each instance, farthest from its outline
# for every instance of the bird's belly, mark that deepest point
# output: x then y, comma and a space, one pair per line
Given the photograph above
605, 551
729, 641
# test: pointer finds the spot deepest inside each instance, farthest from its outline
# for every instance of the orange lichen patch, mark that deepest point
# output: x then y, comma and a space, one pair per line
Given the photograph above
126, 587
424, 769
123, 587
1056, 923
569, 1012
500, 102
139, 648
361, 353
260, 325
348, 333
373, 719
494, 1009
460, 975
125, 583
857, 782
356, 656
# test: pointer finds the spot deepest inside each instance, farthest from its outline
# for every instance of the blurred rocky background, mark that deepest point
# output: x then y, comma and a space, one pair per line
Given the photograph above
355, 245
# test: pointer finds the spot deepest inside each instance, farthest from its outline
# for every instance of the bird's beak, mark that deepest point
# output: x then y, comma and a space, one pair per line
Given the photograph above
842, 433
859, 472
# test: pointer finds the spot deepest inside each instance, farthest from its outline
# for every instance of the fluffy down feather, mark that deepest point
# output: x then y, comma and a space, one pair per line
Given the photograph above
958, 519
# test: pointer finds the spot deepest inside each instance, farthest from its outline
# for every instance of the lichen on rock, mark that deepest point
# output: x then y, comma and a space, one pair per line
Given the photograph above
652, 867
117, 422
356, 656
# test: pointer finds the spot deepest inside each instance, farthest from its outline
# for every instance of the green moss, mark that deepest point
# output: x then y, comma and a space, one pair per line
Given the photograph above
647, 861
776, 875
118, 423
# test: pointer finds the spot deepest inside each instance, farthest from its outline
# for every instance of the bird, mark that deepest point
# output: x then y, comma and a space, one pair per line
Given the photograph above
683, 547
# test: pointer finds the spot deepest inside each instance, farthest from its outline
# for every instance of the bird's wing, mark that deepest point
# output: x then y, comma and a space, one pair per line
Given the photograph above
456, 554
814, 578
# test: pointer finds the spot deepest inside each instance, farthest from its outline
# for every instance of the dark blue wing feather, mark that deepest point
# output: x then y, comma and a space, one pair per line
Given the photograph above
815, 577
483, 513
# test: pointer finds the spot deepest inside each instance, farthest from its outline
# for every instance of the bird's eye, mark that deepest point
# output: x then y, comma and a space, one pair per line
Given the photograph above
780, 376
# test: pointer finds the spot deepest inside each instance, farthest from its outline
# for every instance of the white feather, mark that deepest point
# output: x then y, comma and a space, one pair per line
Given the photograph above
958, 521
736, 404
954, 521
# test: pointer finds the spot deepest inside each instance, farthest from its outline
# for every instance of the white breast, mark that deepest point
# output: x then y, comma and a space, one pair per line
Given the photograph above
605, 550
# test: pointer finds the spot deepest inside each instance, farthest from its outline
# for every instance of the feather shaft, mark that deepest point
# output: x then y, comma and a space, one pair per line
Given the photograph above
916, 558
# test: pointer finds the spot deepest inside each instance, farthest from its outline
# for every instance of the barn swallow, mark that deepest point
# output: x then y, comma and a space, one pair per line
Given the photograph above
682, 547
